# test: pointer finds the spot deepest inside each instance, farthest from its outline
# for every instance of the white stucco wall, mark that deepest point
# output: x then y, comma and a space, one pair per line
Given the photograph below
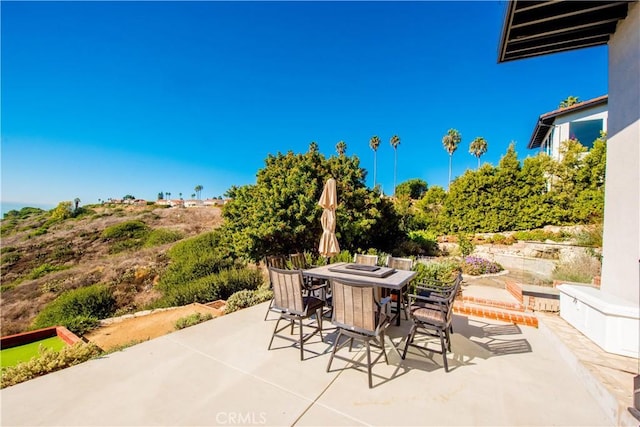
621, 246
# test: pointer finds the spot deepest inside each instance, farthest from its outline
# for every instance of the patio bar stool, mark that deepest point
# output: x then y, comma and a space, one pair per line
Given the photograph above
358, 315
290, 302
431, 309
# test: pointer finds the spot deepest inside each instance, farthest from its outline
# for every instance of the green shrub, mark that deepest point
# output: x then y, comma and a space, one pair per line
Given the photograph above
81, 324
79, 310
465, 245
161, 236
197, 257
23, 213
49, 361
38, 232
443, 271
187, 293
344, 256
247, 298
192, 319
45, 269
126, 230
216, 286
10, 258
126, 235
427, 242
62, 253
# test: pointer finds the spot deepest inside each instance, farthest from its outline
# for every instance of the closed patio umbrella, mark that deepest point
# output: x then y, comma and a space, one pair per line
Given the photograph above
329, 201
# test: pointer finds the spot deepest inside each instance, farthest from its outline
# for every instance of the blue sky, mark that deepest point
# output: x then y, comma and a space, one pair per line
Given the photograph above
103, 99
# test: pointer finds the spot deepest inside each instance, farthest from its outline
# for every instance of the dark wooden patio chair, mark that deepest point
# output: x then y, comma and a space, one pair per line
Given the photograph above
275, 261
359, 316
400, 264
431, 309
290, 302
313, 286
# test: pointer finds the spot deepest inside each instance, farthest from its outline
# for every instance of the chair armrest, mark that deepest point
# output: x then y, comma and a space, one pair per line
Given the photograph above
439, 291
437, 299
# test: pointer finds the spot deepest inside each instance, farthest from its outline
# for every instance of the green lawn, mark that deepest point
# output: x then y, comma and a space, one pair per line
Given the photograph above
23, 353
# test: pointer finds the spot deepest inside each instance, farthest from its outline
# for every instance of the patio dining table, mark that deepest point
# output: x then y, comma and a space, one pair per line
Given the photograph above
382, 277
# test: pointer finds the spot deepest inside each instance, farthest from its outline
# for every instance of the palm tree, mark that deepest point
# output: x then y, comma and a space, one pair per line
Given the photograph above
374, 143
198, 190
478, 147
193, 196
395, 141
77, 202
450, 142
168, 194
341, 148
569, 101
180, 194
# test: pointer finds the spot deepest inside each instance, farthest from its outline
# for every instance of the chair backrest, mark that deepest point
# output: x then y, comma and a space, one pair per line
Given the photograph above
354, 307
399, 263
298, 261
287, 290
457, 283
365, 259
276, 261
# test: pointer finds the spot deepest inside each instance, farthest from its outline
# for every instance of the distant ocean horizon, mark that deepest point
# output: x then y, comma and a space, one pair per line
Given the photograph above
9, 206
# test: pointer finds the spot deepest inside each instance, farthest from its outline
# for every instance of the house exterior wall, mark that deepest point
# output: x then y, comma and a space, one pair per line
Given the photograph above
621, 245
560, 131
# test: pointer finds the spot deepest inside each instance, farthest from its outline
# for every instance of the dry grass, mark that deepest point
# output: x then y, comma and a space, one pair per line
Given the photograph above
76, 243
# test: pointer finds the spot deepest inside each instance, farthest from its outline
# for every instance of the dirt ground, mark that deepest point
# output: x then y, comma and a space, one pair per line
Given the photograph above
144, 327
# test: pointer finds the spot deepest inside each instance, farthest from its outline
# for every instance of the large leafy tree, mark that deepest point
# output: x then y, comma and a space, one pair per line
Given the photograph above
374, 143
395, 141
414, 188
429, 209
280, 213
478, 147
450, 142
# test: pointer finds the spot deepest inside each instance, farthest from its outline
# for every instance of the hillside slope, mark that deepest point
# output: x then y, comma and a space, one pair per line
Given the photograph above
76, 248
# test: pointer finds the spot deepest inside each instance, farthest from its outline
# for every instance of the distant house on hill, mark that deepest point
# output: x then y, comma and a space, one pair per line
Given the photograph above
193, 203
582, 121
170, 202
215, 202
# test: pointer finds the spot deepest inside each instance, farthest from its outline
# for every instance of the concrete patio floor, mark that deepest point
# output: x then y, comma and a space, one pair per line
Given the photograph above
221, 373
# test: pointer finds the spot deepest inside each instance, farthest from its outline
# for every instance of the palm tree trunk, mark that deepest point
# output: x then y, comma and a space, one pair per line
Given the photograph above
449, 186
375, 167
478, 162
395, 170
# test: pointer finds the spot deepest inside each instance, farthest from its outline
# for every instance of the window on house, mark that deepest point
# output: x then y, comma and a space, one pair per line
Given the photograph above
585, 131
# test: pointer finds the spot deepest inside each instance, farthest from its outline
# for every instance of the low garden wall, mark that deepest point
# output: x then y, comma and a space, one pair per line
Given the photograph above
28, 337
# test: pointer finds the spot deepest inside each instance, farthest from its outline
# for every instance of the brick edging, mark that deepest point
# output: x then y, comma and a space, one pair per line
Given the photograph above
514, 289
518, 318
493, 303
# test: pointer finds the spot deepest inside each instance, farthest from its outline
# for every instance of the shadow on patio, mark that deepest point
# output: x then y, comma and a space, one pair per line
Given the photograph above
220, 372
